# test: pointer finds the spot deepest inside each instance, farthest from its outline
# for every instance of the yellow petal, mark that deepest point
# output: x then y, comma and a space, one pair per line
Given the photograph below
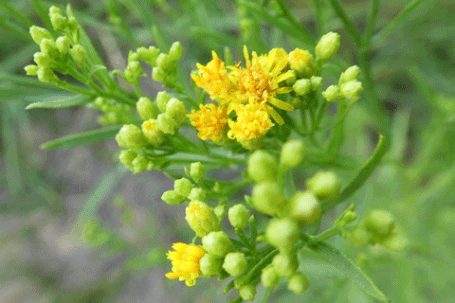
275, 116
281, 104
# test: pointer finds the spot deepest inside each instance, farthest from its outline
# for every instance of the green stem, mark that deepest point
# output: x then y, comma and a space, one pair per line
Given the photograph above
267, 295
17, 30
352, 30
371, 21
73, 88
291, 19
13, 11
326, 234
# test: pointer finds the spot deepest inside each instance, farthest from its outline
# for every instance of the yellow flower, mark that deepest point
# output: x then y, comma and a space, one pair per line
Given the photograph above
185, 262
213, 78
210, 121
252, 122
258, 83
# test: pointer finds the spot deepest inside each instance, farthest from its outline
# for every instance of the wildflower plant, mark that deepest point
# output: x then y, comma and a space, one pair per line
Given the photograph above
267, 112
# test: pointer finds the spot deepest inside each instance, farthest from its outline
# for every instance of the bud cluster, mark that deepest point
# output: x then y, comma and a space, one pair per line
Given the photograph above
348, 87
114, 113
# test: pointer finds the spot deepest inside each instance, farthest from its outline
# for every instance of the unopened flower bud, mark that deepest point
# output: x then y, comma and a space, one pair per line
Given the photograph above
292, 153
31, 70
63, 44
210, 265
53, 10
268, 198
395, 242
183, 186
162, 99
282, 233
285, 264
197, 171
296, 102
316, 82
176, 110
49, 47
46, 75
148, 55
262, 166
158, 74
305, 208
132, 56
351, 90
301, 61
302, 87
73, 24
235, 263
238, 216
269, 276
247, 292
220, 212
166, 124
349, 75
139, 164
163, 61
328, 46
146, 108
176, 51
59, 22
380, 222
43, 60
130, 136
133, 72
78, 54
198, 194
171, 197
217, 243
298, 283
39, 33
331, 93
360, 236
126, 157
201, 218
325, 185
291, 80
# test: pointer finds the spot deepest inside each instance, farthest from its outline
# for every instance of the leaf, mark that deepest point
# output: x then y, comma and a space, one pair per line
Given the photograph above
62, 102
83, 138
348, 268
96, 68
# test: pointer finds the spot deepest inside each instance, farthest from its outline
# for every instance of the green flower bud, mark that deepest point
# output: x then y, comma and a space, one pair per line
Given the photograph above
46, 75
171, 197
42, 60
291, 80
197, 171
360, 236
379, 222
31, 70
238, 216
153, 133
162, 99
201, 218
158, 74
63, 44
292, 153
325, 185
164, 62
78, 54
49, 47
262, 166
316, 82
126, 157
176, 110
328, 46
133, 71
148, 55
176, 51
183, 187
39, 33
73, 24
349, 75
139, 164
132, 56
198, 194
285, 264
217, 243
305, 208
146, 108
235, 263
269, 276
210, 265
268, 198
331, 93
252, 144
351, 90
282, 233
220, 212
247, 292
53, 10
151, 165
130, 136
302, 62
395, 242
166, 124
59, 22
296, 102
302, 87
298, 283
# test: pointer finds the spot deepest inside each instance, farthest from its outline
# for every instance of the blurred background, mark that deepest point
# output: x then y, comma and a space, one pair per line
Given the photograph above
44, 194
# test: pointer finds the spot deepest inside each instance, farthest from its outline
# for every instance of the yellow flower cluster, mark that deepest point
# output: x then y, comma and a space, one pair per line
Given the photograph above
185, 262
248, 91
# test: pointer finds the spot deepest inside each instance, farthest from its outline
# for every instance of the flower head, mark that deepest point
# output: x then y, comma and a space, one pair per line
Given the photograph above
210, 121
252, 122
185, 262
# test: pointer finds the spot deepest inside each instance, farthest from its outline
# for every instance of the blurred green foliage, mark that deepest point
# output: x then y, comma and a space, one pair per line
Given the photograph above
44, 194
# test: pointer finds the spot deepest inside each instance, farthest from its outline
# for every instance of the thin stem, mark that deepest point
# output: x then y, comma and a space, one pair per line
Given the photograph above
13, 11
352, 30
291, 19
371, 21
326, 234
267, 295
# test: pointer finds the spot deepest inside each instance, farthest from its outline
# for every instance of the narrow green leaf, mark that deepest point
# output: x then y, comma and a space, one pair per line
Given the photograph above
96, 68
62, 102
363, 175
350, 27
348, 268
83, 138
